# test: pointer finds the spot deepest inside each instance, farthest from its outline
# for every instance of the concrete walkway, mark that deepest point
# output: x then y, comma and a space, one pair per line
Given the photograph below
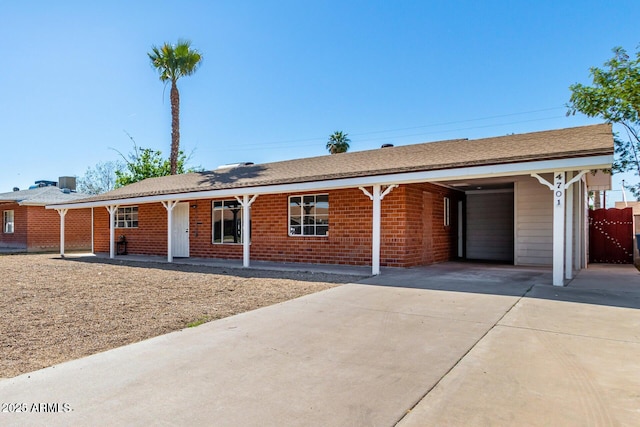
351, 270
560, 357
428, 346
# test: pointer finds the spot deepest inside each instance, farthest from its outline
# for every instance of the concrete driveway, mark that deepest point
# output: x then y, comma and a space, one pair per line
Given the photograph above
429, 346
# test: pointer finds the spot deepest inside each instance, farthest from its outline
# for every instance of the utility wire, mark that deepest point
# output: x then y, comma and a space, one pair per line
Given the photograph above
460, 121
276, 144
285, 144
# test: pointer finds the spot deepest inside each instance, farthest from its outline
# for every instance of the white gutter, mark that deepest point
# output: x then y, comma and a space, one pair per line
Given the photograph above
472, 172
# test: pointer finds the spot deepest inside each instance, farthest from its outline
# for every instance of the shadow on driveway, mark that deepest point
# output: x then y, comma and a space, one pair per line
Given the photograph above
601, 284
476, 278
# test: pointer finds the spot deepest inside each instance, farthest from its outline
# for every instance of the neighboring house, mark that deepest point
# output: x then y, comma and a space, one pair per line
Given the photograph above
517, 199
27, 225
635, 205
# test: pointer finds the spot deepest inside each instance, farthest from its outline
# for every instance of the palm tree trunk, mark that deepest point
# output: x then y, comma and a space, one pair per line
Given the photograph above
175, 127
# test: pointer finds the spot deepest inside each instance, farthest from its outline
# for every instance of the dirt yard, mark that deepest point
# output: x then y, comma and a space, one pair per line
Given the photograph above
53, 310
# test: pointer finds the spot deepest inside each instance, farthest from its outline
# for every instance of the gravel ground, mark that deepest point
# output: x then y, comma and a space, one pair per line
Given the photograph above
54, 310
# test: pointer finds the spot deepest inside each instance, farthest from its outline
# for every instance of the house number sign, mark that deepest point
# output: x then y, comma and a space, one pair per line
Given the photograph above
558, 189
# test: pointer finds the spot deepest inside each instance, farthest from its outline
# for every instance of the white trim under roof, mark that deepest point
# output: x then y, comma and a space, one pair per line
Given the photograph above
462, 173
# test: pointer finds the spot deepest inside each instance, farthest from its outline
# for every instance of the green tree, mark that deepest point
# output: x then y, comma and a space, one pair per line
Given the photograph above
146, 163
172, 63
338, 143
615, 97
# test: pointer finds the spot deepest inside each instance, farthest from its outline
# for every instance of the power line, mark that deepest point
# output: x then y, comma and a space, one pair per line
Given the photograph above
461, 121
285, 144
276, 144
468, 128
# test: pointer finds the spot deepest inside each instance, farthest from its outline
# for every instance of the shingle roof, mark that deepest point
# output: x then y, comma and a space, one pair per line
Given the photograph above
546, 145
40, 196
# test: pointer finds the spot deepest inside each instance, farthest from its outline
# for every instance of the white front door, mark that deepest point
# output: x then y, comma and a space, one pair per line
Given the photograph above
180, 231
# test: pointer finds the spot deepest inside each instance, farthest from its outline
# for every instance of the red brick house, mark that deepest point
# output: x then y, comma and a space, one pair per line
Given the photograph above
28, 226
517, 199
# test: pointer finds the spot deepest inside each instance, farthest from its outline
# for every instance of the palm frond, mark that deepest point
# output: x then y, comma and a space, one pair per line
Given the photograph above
175, 61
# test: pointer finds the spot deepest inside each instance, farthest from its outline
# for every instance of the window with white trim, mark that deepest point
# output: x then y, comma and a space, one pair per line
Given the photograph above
7, 222
309, 215
447, 212
126, 217
226, 221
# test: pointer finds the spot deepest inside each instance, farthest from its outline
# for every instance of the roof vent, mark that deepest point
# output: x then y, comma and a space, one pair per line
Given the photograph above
234, 165
45, 183
16, 189
228, 166
386, 146
67, 182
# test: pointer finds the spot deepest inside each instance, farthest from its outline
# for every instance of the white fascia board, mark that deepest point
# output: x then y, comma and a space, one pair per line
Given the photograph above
464, 173
30, 204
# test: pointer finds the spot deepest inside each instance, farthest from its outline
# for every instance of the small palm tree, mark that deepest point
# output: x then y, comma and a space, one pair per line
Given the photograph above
173, 62
338, 143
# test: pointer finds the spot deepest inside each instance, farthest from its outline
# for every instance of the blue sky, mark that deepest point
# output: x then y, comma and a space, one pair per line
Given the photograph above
278, 77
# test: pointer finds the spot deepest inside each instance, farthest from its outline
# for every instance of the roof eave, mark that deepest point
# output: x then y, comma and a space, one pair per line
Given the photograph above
471, 172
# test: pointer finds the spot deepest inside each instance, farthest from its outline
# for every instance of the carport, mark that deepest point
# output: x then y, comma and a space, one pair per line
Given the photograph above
538, 219
486, 216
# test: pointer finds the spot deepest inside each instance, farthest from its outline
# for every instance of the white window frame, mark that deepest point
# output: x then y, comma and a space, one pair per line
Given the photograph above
304, 227
222, 208
8, 224
447, 212
126, 217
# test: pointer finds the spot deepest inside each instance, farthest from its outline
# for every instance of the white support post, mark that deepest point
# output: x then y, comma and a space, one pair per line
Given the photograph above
585, 224
558, 188
562, 197
62, 213
112, 209
375, 235
376, 197
568, 255
577, 227
93, 249
246, 203
169, 205
558, 227
574, 218
460, 230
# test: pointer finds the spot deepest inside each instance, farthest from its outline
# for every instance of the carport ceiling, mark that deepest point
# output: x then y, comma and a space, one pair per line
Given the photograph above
482, 183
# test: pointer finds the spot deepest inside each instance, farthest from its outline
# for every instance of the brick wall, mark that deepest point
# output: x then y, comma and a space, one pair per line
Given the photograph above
413, 230
17, 239
433, 241
38, 229
150, 238
349, 240
43, 229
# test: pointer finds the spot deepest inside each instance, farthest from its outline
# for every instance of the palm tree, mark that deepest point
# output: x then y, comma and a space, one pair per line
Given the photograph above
173, 62
338, 143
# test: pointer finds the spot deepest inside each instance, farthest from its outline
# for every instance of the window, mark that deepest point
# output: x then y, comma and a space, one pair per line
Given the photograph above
309, 215
227, 221
126, 217
7, 221
447, 212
